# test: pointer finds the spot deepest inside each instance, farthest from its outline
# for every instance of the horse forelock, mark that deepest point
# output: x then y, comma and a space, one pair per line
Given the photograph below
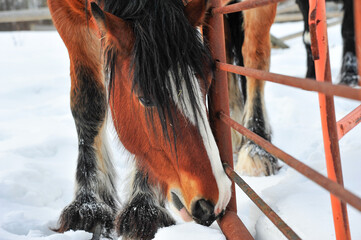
167, 52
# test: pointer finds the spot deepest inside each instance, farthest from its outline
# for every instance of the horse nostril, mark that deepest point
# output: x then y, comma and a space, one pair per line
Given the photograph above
203, 212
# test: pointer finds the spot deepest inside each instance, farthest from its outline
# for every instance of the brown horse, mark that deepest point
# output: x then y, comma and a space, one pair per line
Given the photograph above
146, 60
248, 44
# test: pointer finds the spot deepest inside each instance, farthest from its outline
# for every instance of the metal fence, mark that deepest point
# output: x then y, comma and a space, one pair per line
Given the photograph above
332, 130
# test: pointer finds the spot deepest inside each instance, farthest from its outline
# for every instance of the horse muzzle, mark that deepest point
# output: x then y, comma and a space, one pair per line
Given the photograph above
202, 211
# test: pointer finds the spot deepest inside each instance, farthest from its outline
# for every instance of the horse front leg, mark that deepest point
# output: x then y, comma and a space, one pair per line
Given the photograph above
95, 204
145, 211
252, 159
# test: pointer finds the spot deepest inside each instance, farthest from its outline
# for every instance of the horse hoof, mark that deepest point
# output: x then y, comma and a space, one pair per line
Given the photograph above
255, 161
93, 217
349, 74
350, 79
141, 219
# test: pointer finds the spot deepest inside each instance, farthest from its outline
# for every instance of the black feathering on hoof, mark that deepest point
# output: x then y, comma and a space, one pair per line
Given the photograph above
349, 73
141, 219
270, 162
87, 216
253, 160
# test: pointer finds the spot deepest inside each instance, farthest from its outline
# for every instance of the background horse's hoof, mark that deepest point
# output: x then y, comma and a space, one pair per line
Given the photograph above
141, 219
349, 74
93, 217
255, 161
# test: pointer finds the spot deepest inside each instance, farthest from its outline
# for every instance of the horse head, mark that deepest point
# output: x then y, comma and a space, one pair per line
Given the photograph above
159, 72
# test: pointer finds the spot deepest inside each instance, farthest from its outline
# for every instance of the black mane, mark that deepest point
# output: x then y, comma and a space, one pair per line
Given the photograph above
166, 48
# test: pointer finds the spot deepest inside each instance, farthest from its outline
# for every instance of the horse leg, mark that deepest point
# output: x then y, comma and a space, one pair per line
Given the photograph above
234, 33
236, 108
304, 7
95, 202
252, 159
145, 211
349, 74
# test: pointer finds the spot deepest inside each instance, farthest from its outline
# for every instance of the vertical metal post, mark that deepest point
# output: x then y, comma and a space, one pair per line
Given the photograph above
357, 23
218, 94
231, 225
318, 30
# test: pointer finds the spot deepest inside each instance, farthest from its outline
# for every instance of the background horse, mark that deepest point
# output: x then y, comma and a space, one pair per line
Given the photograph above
147, 61
349, 74
248, 44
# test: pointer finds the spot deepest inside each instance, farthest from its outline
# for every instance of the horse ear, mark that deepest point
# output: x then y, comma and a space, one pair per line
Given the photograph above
195, 11
99, 17
108, 24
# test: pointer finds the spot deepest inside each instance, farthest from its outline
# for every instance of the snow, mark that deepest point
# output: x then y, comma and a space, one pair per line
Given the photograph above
38, 146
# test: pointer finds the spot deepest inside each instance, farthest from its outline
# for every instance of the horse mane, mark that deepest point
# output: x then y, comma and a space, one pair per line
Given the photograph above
168, 51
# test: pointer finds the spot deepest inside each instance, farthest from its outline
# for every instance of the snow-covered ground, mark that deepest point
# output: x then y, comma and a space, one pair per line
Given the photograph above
38, 146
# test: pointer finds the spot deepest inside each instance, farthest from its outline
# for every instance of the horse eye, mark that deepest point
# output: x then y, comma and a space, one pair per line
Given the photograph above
146, 102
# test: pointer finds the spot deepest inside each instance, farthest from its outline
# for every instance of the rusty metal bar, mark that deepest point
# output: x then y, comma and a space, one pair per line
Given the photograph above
225, 2
241, 6
218, 94
302, 168
233, 227
318, 31
348, 122
275, 219
357, 23
218, 101
303, 83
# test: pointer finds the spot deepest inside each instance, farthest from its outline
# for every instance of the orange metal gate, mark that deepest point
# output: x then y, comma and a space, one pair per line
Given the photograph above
230, 224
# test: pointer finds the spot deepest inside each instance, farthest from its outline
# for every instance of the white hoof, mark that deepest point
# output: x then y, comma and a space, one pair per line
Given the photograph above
254, 161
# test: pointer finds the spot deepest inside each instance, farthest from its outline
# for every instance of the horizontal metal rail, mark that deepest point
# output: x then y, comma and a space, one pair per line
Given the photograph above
348, 122
25, 15
331, 186
303, 83
275, 219
241, 6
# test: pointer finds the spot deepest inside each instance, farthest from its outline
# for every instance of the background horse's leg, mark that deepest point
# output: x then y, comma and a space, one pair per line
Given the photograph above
236, 106
145, 211
349, 75
95, 200
252, 159
234, 33
304, 8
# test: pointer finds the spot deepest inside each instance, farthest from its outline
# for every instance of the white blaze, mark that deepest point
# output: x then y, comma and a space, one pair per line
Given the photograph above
185, 106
